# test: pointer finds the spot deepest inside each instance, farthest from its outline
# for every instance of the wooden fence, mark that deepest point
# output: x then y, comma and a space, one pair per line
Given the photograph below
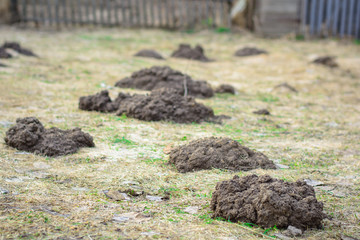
127, 13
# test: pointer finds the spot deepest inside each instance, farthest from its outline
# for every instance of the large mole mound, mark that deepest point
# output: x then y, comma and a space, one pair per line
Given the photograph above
222, 153
165, 77
17, 47
267, 202
161, 104
249, 51
149, 54
196, 53
30, 135
327, 61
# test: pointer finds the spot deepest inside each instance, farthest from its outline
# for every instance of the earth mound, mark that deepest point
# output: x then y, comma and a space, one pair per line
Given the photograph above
17, 47
3, 65
30, 135
196, 53
161, 105
149, 54
249, 51
262, 112
221, 153
165, 77
4, 54
267, 202
326, 61
225, 88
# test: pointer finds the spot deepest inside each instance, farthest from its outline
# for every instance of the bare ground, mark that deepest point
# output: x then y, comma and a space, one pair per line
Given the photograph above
314, 132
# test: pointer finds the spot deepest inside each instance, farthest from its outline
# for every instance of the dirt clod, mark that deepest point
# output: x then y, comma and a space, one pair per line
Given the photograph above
285, 87
165, 77
161, 105
249, 51
327, 61
221, 153
4, 54
17, 47
149, 54
196, 53
30, 135
267, 202
262, 112
225, 88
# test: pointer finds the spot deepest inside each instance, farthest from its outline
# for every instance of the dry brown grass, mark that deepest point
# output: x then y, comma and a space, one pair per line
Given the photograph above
315, 132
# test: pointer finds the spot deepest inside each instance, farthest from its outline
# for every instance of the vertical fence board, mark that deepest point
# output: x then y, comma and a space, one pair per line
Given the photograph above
57, 20
336, 16
350, 21
343, 18
357, 21
320, 17
328, 15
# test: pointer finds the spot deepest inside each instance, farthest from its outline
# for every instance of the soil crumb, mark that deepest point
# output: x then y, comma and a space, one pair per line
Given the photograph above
328, 61
161, 105
262, 112
17, 47
285, 87
149, 54
267, 202
225, 88
165, 77
249, 51
30, 135
196, 53
221, 153
4, 54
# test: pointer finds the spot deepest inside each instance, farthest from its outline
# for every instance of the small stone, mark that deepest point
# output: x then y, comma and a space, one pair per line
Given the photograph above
281, 166
117, 195
154, 198
14, 180
130, 217
282, 236
294, 231
151, 233
80, 189
132, 188
191, 209
3, 191
313, 182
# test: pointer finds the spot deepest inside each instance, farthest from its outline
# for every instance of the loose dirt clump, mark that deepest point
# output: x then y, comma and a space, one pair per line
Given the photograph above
30, 135
149, 54
249, 51
100, 102
221, 153
262, 112
165, 77
267, 202
327, 61
196, 53
225, 88
161, 105
17, 47
4, 54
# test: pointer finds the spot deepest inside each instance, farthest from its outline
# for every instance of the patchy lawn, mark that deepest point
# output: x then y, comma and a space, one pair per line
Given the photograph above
315, 132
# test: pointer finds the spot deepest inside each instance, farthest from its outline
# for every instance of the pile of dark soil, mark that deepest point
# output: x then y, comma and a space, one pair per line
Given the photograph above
249, 51
165, 77
262, 112
30, 135
221, 153
225, 88
196, 53
267, 202
326, 61
17, 47
149, 54
161, 105
4, 54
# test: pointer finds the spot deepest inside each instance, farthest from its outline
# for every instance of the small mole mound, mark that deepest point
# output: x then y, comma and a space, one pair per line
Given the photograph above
221, 153
165, 77
249, 51
17, 47
161, 105
267, 202
4, 54
225, 88
149, 54
326, 61
3, 65
30, 135
196, 53
262, 112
